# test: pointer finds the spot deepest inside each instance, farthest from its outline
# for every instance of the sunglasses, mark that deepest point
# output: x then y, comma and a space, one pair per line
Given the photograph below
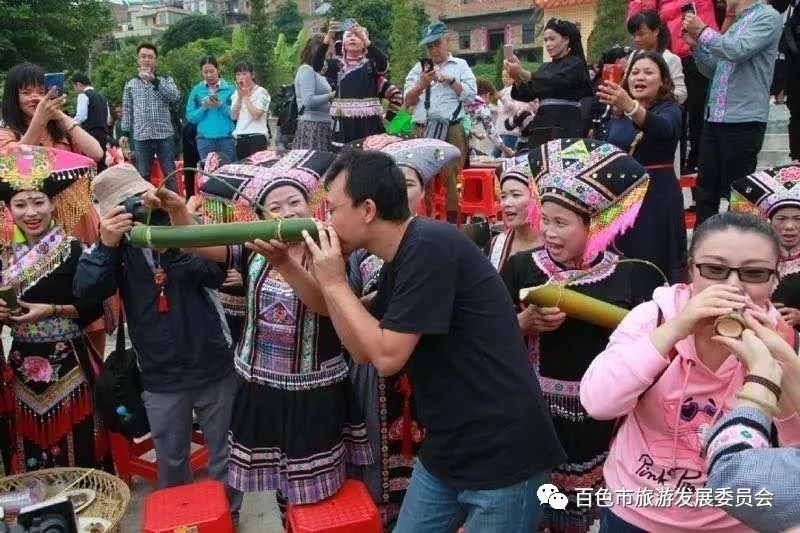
690, 409
746, 274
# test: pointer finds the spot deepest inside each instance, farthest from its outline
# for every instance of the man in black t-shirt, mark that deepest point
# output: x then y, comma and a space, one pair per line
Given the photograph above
442, 312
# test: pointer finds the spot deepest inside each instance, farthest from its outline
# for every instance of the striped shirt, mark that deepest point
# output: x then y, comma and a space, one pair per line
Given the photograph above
146, 109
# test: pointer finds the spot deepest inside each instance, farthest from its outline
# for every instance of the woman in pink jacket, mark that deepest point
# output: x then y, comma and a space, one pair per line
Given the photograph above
667, 380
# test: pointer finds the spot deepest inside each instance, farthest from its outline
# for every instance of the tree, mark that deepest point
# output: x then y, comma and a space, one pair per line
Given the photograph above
288, 20
190, 29
260, 44
112, 70
608, 31
183, 63
56, 34
403, 48
375, 15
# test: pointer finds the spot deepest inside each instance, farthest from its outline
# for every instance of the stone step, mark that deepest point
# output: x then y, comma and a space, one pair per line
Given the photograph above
778, 112
778, 126
776, 142
773, 158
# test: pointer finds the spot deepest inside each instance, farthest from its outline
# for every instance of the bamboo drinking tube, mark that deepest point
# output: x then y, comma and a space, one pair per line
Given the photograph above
574, 304
198, 236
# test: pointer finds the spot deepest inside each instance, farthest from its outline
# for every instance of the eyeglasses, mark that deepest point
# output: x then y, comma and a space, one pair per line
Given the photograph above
746, 274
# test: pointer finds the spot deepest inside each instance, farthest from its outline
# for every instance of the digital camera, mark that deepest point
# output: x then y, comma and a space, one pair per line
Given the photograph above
141, 213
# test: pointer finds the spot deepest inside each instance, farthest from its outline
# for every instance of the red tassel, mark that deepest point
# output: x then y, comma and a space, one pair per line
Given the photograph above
407, 446
163, 303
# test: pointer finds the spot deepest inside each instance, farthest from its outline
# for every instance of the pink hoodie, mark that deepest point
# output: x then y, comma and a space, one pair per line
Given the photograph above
658, 444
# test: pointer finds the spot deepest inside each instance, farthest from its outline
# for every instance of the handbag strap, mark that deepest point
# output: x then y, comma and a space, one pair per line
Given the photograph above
427, 105
120, 330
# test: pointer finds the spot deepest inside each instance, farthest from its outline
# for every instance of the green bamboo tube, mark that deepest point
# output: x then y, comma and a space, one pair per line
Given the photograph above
198, 236
574, 304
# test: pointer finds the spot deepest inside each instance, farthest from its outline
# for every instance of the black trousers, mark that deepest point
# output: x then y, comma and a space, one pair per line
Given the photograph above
728, 152
249, 144
693, 112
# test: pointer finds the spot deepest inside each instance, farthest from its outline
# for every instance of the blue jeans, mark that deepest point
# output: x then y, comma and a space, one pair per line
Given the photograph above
224, 146
145, 151
431, 506
508, 140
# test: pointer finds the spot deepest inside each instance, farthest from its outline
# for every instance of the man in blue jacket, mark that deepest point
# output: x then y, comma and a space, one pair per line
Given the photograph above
176, 326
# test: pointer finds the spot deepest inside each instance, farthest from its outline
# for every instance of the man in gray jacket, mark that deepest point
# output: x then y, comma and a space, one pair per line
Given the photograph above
739, 64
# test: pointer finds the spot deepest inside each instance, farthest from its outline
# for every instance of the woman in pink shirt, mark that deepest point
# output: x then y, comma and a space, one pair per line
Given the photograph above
667, 380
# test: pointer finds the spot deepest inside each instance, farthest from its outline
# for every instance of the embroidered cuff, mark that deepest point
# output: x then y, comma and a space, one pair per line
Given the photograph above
735, 435
706, 35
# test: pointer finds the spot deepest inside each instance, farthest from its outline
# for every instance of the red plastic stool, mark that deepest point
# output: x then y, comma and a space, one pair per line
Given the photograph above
351, 510
129, 461
478, 193
198, 507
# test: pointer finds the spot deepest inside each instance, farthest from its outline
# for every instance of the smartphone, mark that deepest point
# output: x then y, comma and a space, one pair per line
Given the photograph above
427, 64
508, 51
613, 72
346, 24
54, 79
689, 8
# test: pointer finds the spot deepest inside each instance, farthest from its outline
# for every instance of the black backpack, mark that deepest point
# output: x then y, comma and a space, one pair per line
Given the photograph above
118, 391
287, 110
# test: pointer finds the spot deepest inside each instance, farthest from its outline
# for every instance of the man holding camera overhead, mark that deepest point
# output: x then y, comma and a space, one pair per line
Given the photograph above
176, 325
438, 88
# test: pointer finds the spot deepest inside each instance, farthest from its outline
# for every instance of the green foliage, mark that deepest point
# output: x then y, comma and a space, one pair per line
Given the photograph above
190, 29
287, 57
375, 15
608, 29
183, 63
497, 79
55, 34
288, 20
403, 48
261, 44
112, 70
489, 71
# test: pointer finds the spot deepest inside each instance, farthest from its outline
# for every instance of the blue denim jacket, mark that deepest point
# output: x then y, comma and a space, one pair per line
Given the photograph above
212, 122
740, 64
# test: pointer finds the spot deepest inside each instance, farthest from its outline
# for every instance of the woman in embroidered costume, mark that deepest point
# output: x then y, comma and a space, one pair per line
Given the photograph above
32, 117
647, 124
586, 194
54, 366
559, 85
774, 195
356, 72
295, 422
387, 402
515, 198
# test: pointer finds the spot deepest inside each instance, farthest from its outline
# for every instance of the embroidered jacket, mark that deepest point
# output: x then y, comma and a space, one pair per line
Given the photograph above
740, 64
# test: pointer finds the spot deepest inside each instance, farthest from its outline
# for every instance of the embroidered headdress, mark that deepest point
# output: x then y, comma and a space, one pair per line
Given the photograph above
63, 176
764, 192
426, 156
593, 179
227, 195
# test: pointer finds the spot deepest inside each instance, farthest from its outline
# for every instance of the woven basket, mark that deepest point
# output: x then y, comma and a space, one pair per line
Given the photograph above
112, 493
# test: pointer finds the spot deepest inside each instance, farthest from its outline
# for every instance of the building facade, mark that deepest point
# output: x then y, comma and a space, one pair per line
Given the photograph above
148, 22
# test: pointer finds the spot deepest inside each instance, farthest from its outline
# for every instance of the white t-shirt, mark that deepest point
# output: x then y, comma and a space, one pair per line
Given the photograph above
247, 125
